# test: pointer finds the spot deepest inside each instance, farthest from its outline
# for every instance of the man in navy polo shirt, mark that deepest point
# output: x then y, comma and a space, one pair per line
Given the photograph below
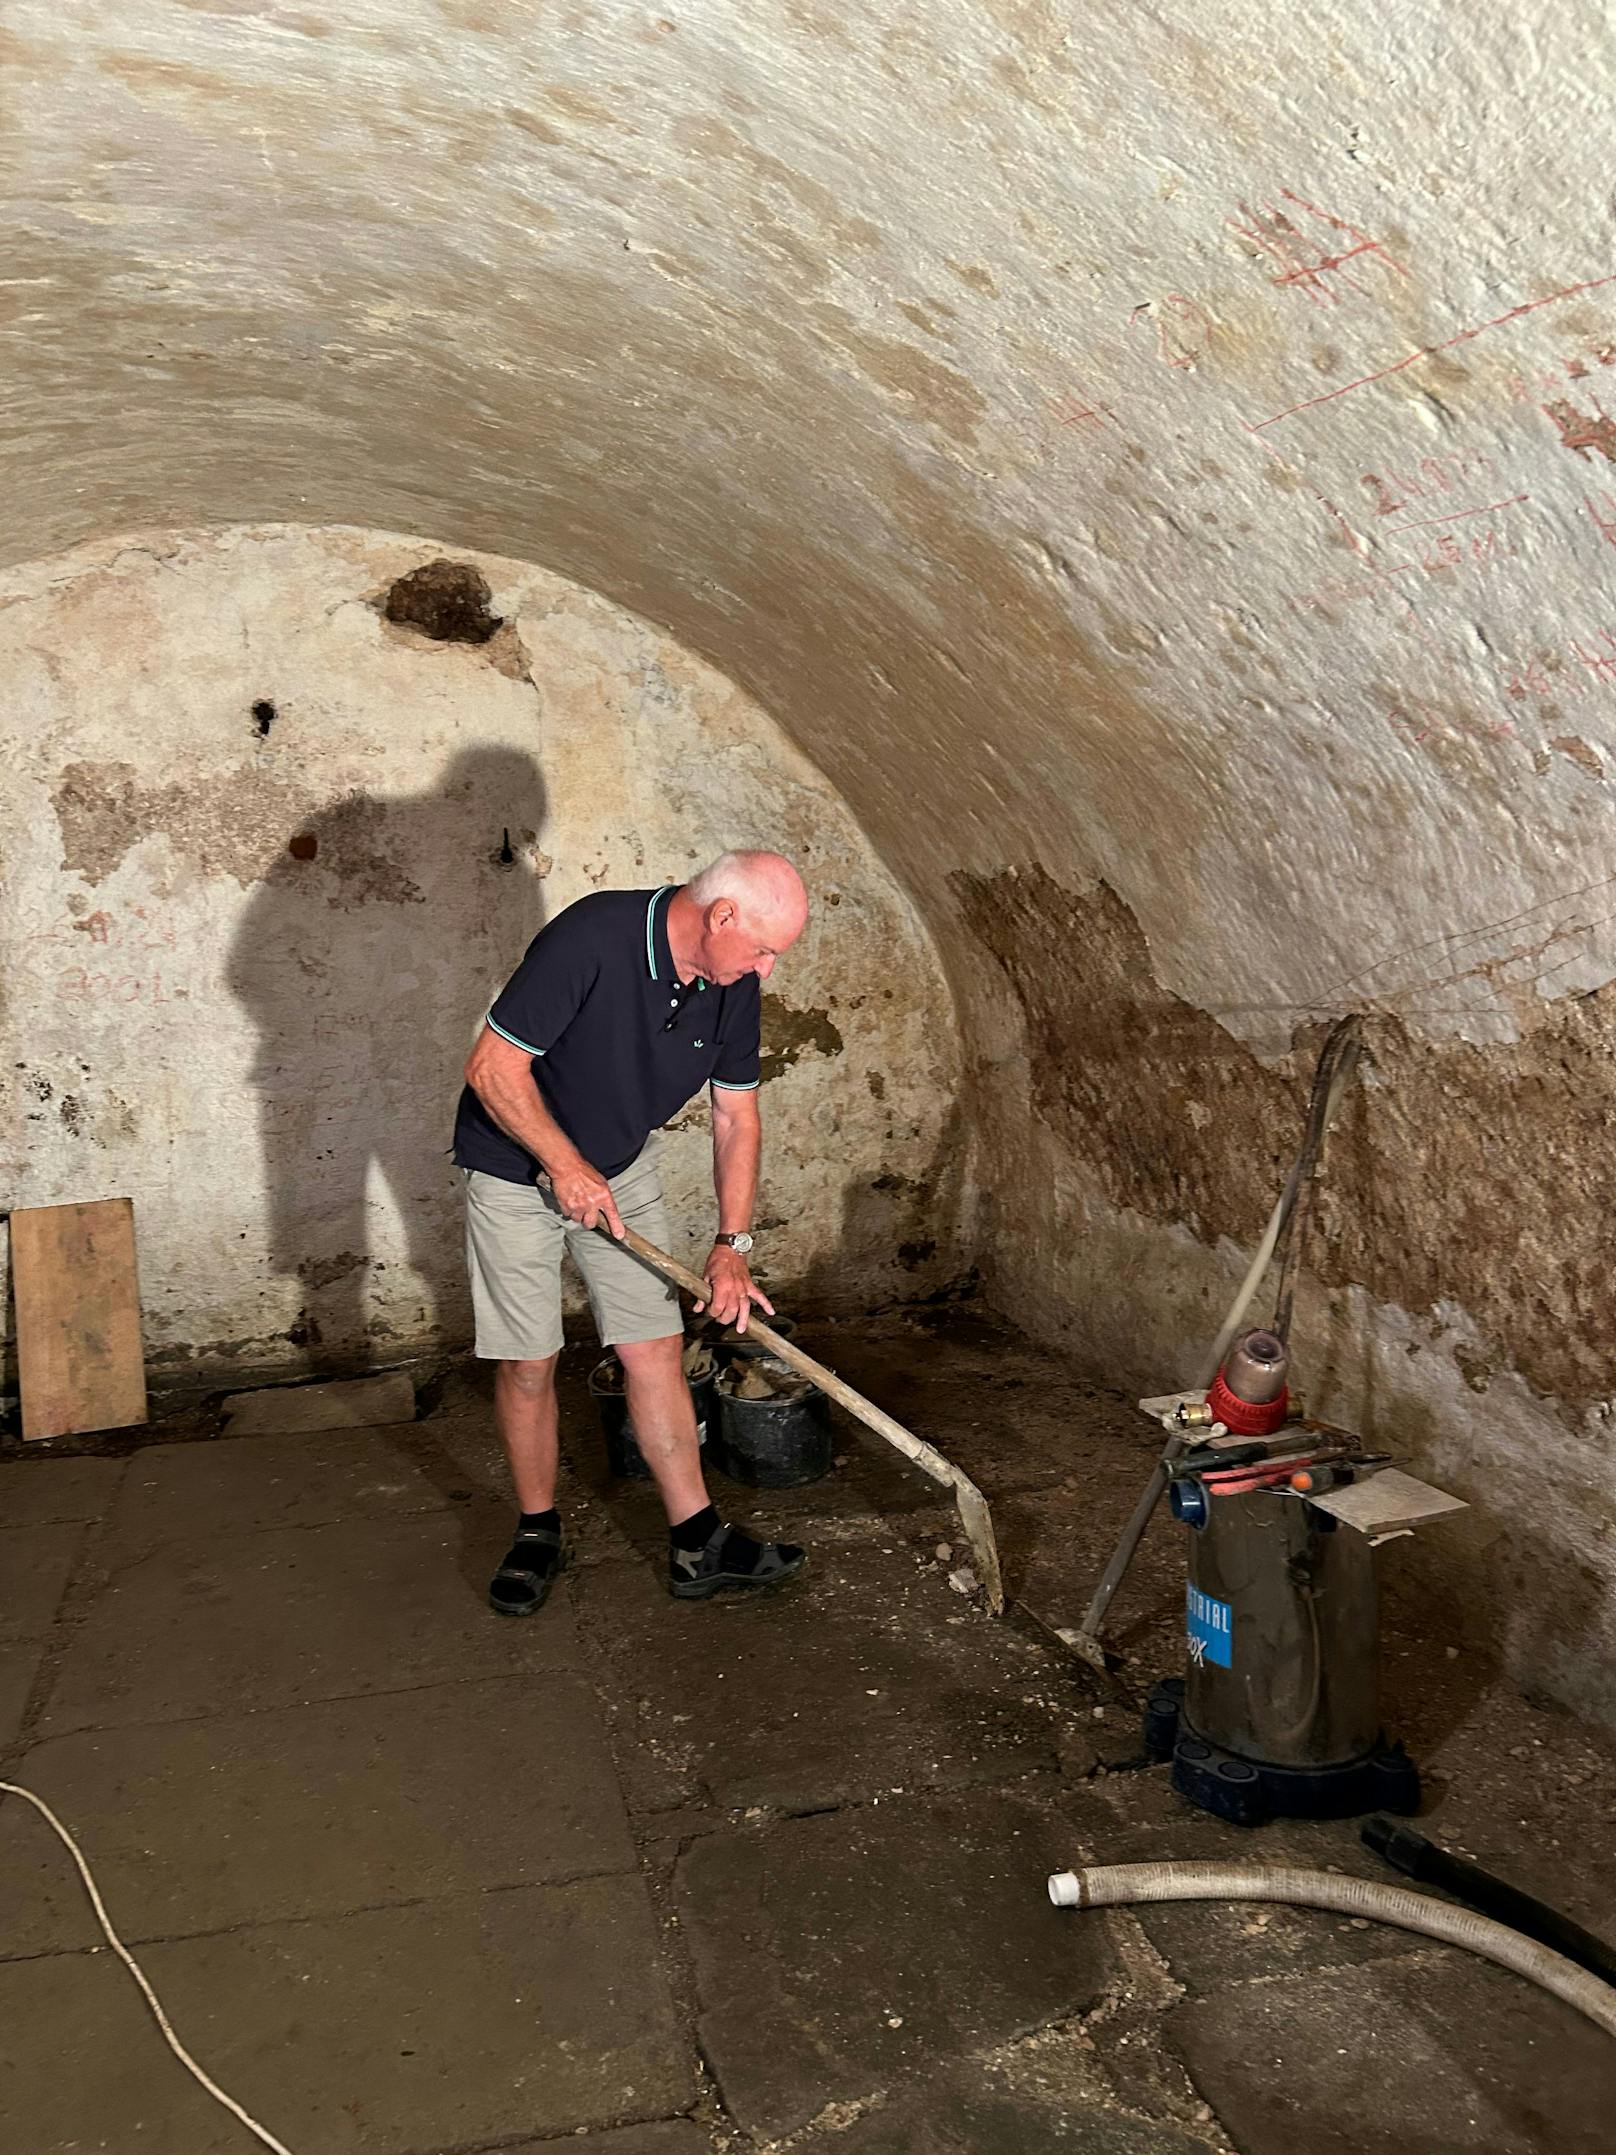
622, 1009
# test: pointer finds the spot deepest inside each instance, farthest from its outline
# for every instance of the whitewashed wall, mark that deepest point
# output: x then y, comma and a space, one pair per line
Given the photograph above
264, 1050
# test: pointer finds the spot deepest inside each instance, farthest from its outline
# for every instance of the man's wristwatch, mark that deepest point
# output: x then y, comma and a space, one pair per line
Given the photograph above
740, 1244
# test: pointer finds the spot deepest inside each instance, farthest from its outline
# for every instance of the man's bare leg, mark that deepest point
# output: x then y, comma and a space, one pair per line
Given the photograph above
705, 1555
525, 1416
664, 1419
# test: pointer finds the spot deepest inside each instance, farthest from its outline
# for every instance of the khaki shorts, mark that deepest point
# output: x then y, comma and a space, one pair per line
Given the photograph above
515, 1235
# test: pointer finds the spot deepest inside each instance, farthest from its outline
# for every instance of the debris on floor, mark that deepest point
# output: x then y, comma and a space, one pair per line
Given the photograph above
704, 1916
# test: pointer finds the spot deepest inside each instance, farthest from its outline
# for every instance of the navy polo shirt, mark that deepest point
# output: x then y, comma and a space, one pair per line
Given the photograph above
618, 1044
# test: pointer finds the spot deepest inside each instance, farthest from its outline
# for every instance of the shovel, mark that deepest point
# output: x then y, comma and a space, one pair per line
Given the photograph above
969, 1501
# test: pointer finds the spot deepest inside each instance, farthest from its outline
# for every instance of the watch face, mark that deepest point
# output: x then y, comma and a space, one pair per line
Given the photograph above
740, 1244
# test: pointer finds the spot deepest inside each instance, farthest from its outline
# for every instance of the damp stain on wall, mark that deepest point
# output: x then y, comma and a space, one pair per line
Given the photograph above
1456, 1173
789, 1034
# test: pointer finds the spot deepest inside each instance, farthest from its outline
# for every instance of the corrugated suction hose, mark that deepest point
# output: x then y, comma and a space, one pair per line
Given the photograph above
1119, 1885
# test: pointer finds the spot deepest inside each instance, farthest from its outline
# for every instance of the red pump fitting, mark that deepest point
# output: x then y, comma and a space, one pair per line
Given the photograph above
1248, 1394
1245, 1417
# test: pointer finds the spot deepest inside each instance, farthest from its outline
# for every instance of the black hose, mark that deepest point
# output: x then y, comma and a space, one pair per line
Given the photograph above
1416, 1857
1338, 1054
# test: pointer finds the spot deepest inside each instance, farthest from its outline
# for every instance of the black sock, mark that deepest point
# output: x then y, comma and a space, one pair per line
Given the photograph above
696, 1531
550, 1519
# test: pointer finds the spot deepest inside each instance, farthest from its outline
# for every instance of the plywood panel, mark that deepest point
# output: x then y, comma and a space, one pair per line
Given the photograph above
79, 1355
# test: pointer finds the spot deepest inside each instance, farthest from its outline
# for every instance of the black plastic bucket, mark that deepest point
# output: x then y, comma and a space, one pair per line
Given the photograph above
773, 1443
623, 1453
731, 1343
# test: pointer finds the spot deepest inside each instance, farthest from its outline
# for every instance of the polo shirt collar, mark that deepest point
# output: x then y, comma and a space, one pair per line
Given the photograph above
658, 951
658, 956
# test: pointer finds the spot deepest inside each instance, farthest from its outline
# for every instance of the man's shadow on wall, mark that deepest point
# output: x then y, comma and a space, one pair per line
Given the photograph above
379, 933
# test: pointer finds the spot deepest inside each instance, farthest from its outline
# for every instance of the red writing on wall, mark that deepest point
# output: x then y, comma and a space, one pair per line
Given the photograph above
141, 930
1465, 539
1313, 250
79, 985
1549, 378
1587, 662
1082, 412
1432, 481
1603, 513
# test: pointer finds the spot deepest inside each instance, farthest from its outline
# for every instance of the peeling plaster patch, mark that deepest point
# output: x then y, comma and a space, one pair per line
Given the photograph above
1581, 433
788, 1034
1116, 1060
1584, 757
974, 275
1459, 1176
219, 826
450, 601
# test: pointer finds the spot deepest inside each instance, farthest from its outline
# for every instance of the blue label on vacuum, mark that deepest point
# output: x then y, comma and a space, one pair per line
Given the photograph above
1209, 1627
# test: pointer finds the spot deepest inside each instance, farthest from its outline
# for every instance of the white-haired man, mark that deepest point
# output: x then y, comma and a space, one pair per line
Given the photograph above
624, 1006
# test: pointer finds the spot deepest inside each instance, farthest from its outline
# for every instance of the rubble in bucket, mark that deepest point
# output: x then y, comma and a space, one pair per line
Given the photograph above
763, 1376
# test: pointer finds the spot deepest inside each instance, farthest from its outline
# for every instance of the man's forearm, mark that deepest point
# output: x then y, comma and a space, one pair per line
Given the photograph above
517, 1106
737, 1148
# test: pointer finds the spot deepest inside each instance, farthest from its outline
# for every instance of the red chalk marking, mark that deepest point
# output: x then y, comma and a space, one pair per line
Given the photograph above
1607, 529
1603, 668
1071, 412
1423, 522
1426, 351
1299, 264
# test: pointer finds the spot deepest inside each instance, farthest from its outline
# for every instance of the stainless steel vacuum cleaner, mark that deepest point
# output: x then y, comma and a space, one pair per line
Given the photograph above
1278, 1713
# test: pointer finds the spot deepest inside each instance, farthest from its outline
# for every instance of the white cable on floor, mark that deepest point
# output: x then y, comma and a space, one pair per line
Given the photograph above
11, 1788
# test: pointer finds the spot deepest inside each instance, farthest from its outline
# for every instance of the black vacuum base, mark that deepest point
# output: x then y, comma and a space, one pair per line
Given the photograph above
1249, 1794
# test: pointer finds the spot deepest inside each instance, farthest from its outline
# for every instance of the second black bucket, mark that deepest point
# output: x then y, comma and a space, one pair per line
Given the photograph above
623, 1454
773, 1443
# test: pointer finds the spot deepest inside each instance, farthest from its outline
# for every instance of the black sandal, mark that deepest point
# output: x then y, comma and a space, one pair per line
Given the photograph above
523, 1581
693, 1574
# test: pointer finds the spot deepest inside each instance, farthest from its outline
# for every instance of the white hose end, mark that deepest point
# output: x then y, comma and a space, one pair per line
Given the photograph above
1066, 1889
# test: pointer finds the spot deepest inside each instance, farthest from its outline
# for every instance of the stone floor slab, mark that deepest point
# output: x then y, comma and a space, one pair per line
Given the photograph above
84, 2067
36, 1490
864, 1675
275, 1619
399, 2031
839, 1953
1437, 2057
312, 1810
351, 1403
178, 1492
36, 1563
19, 1664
